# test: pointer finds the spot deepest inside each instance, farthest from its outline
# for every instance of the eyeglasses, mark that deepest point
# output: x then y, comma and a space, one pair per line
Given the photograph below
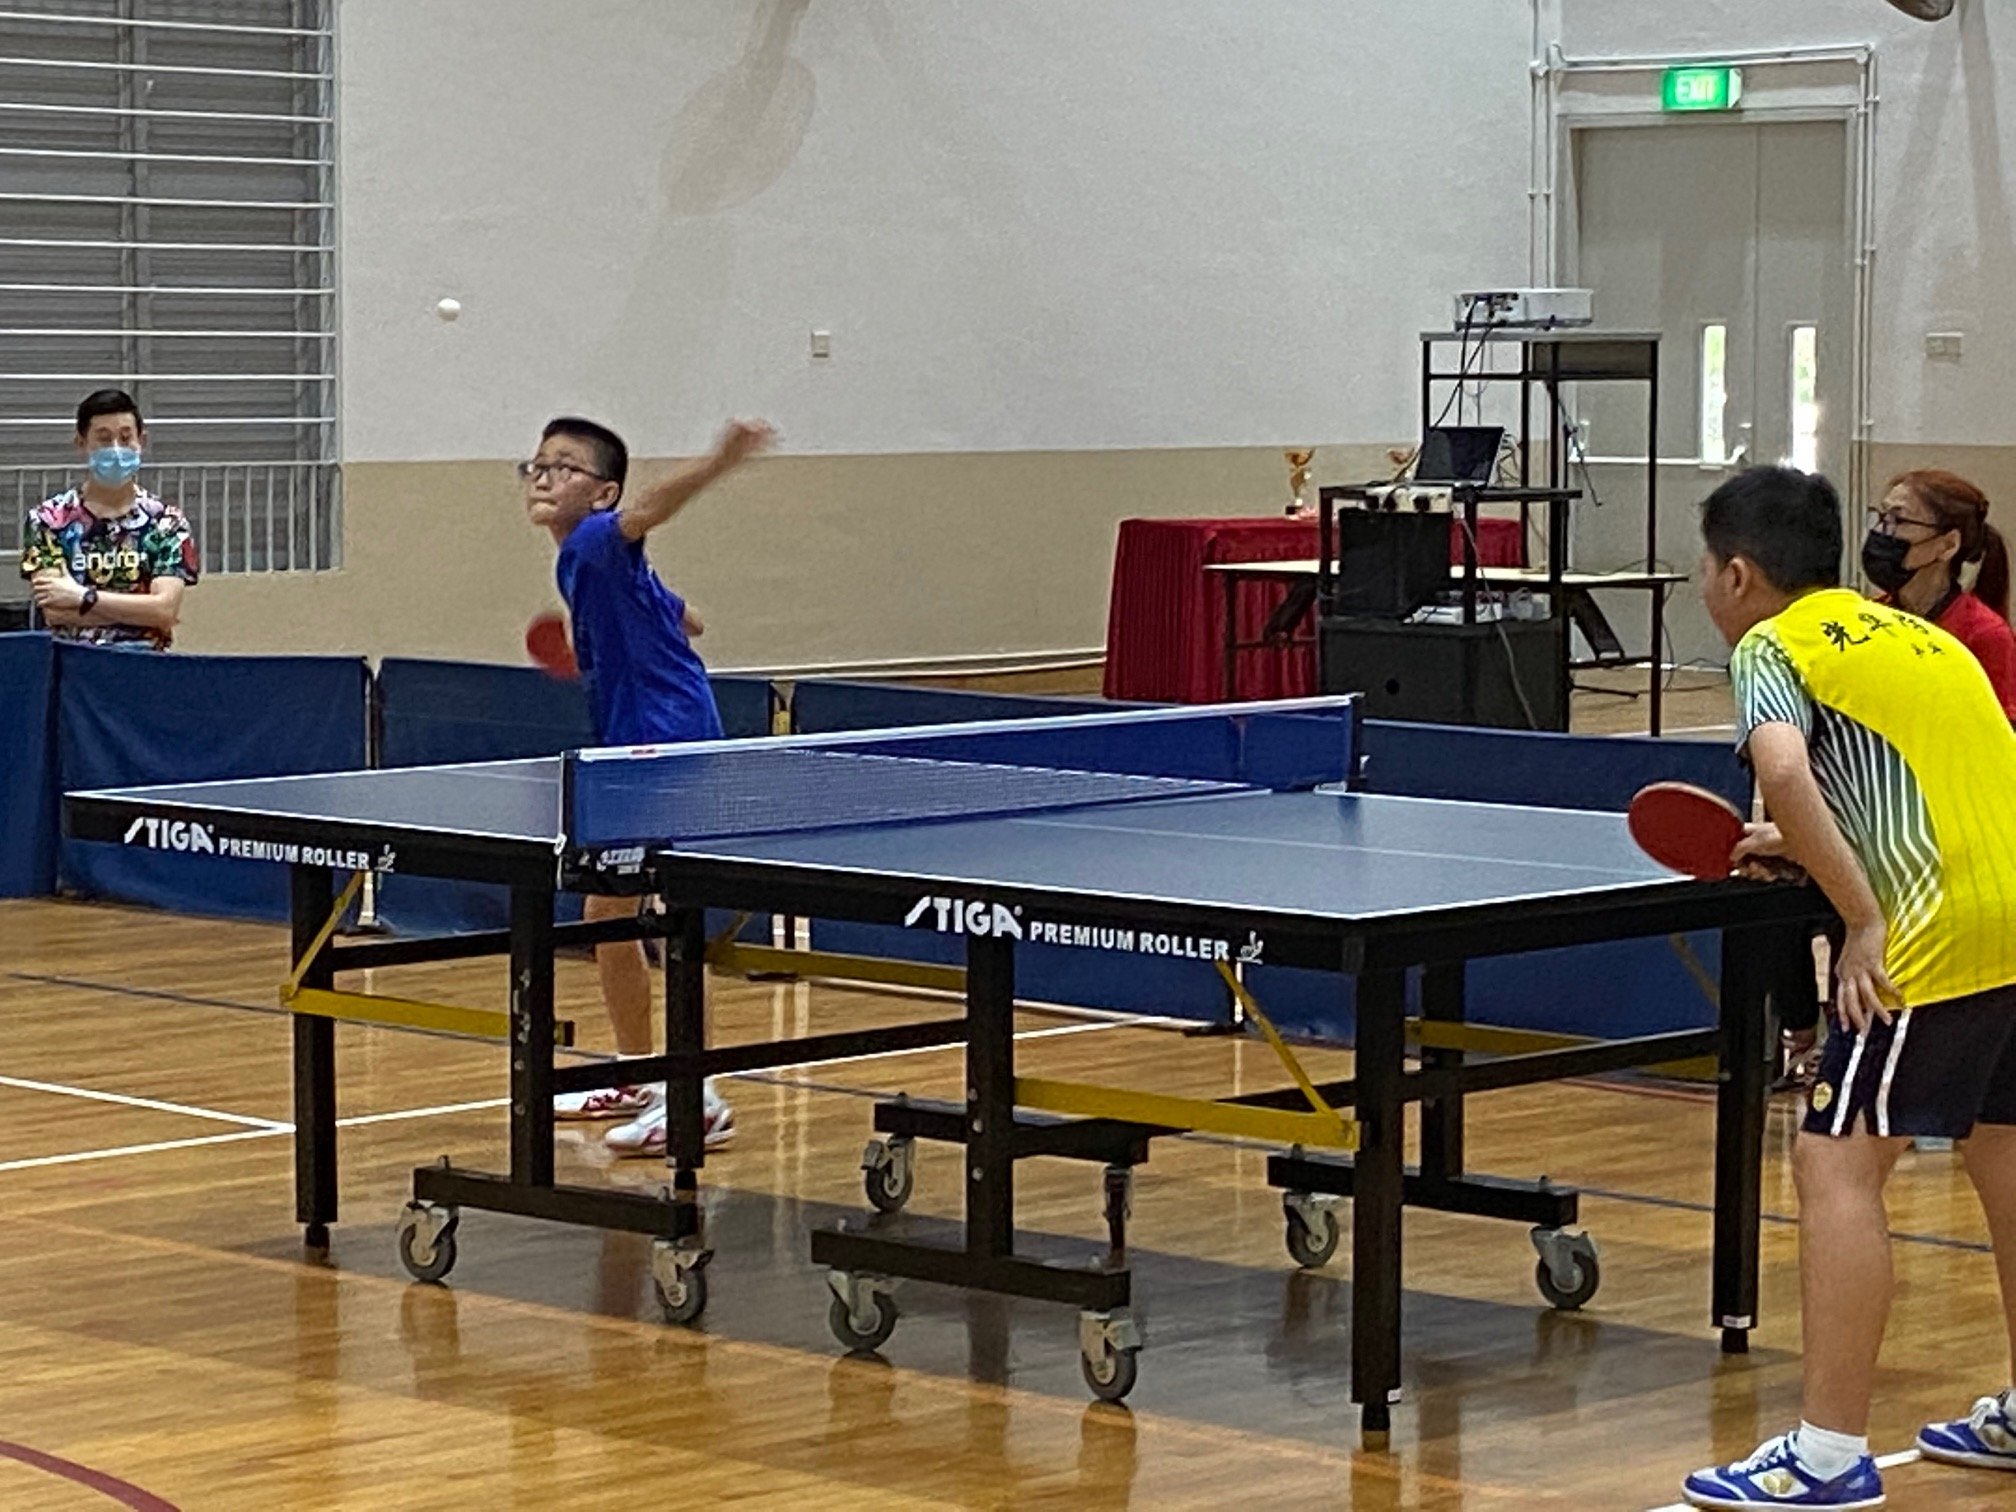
1890, 521
560, 472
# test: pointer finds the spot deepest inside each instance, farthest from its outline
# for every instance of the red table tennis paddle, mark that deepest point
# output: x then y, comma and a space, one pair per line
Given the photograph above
546, 643
1687, 828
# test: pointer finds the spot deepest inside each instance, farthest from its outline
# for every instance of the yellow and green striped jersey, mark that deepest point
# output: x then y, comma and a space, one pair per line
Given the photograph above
1918, 764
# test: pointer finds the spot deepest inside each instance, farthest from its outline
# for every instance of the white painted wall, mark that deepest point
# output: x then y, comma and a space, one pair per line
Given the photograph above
1039, 225
1945, 183
1034, 227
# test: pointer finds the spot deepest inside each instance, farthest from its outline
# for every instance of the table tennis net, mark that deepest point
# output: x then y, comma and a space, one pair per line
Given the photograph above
717, 794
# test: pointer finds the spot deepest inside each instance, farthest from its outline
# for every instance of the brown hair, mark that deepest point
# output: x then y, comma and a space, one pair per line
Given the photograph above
1958, 505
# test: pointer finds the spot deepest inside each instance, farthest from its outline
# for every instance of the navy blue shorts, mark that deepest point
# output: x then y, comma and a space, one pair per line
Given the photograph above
1934, 1071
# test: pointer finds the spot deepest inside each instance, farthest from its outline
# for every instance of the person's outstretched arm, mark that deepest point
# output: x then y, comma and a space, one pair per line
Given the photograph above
740, 440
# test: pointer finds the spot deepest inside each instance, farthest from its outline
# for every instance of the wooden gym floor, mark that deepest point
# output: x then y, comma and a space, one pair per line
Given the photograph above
161, 1330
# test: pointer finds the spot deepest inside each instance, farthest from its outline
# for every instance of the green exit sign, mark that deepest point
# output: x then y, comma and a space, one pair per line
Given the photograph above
1701, 89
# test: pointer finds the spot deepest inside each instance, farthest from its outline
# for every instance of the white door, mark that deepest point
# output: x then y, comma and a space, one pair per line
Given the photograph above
1731, 241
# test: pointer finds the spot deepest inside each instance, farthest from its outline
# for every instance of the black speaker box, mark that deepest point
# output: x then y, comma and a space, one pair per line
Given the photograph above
1451, 674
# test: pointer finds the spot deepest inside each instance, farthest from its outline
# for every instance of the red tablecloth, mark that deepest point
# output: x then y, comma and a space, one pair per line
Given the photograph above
1165, 629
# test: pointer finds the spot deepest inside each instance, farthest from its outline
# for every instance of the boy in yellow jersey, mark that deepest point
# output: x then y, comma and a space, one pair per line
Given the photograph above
1889, 771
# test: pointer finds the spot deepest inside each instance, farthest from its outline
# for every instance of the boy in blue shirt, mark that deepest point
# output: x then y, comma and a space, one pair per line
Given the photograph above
633, 640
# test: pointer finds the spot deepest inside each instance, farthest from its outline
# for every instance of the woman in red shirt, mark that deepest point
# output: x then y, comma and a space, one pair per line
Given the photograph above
1930, 525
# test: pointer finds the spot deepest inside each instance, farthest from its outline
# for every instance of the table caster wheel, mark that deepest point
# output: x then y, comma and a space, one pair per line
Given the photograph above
863, 1314
888, 1172
1109, 1351
1567, 1274
679, 1274
1312, 1229
426, 1238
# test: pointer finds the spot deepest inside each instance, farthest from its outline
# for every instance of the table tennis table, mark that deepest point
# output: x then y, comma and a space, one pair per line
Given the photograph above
1237, 835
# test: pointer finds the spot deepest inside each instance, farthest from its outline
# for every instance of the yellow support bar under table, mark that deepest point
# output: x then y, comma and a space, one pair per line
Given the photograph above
372, 1008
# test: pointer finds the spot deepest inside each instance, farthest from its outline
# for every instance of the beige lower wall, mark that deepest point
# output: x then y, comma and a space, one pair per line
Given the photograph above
798, 562
806, 562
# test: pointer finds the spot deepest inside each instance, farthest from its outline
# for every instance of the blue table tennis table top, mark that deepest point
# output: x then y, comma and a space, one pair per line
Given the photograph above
1179, 822
1319, 854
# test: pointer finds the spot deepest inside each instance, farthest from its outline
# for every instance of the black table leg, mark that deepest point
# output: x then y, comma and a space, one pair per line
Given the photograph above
1376, 1202
313, 894
1749, 960
686, 1035
532, 1036
1442, 1117
985, 1259
990, 1096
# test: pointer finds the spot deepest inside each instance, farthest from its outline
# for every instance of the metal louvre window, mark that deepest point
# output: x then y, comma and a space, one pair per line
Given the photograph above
167, 226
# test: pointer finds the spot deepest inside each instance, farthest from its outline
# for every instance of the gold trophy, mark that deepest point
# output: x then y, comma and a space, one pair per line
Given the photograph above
1298, 480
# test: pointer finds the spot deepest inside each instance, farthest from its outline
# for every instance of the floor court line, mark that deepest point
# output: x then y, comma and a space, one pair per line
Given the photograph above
78, 1157
774, 1076
104, 1484
266, 1130
90, 1094
361, 1120
191, 1000
270, 1130
1105, 1018
263, 1128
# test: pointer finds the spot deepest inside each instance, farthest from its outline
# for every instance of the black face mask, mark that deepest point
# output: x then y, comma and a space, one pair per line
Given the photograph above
1883, 561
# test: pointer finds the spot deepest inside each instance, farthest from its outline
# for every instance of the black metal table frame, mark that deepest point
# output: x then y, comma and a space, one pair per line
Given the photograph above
528, 1188
1765, 930
535, 871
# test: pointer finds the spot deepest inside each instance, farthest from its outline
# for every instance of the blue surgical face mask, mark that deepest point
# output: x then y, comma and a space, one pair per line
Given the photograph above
113, 465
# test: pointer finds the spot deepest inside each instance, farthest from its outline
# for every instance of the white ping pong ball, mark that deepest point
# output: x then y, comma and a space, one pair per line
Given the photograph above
449, 309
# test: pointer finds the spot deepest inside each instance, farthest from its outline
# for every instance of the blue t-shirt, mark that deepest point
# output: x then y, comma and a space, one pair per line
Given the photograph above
645, 682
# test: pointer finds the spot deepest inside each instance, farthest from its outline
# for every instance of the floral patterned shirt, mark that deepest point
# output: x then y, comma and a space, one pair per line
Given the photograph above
121, 555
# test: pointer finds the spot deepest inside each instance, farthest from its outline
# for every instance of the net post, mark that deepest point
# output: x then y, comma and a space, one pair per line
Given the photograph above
368, 922
564, 825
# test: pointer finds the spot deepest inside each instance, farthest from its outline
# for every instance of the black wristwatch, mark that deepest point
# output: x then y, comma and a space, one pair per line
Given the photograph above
86, 604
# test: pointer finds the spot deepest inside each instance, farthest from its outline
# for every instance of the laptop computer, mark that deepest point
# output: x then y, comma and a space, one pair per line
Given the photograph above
1459, 454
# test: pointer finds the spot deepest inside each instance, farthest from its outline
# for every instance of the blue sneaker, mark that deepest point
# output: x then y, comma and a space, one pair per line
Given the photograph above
1773, 1477
1985, 1438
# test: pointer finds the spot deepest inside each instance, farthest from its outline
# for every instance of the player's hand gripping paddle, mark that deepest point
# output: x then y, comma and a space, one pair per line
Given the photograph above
546, 643
1687, 828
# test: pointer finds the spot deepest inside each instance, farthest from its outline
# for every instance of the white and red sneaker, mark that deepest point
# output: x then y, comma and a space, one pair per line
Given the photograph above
644, 1135
602, 1104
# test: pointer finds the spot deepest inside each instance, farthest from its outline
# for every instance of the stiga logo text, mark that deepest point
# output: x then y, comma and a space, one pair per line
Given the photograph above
172, 835
957, 916
194, 839
962, 916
